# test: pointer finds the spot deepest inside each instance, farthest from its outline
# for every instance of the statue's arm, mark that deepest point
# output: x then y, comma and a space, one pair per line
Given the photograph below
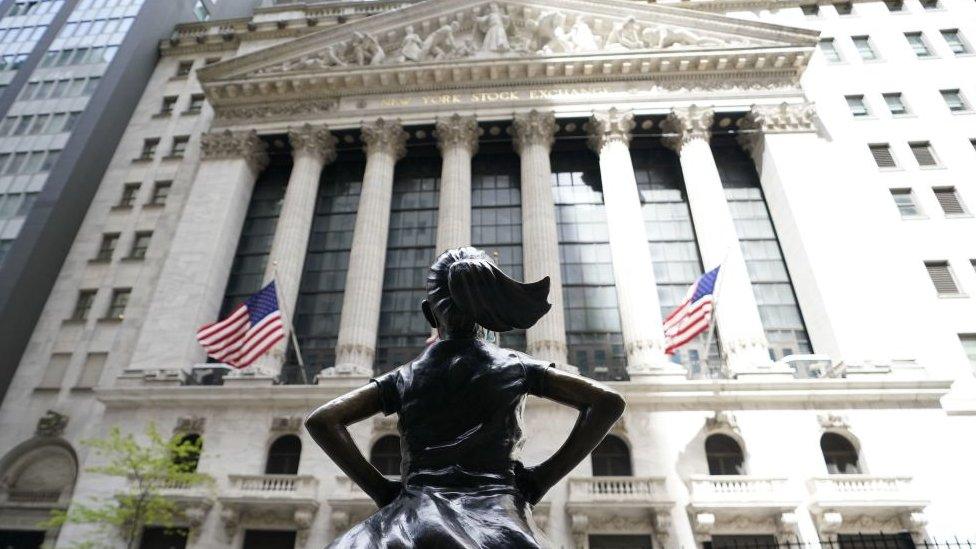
327, 425
599, 407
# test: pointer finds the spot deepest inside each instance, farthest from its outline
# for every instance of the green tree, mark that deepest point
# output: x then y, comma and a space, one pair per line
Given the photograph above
150, 468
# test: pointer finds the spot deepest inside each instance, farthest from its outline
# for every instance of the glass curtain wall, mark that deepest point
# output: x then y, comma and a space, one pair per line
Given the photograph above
496, 215
326, 262
595, 343
771, 283
409, 253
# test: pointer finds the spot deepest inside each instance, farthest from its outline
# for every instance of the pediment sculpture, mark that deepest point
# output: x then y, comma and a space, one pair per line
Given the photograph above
498, 31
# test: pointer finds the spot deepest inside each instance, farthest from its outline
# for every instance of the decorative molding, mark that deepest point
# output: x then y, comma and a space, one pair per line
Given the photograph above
534, 128
317, 141
607, 127
51, 424
686, 124
457, 131
286, 424
230, 145
383, 135
834, 421
270, 109
762, 120
722, 421
190, 424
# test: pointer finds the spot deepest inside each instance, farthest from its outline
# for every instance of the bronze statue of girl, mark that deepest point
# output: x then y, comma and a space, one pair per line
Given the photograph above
460, 418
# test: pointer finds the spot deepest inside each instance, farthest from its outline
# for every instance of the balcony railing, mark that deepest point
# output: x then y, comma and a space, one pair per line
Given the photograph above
274, 486
617, 490
33, 496
865, 490
738, 490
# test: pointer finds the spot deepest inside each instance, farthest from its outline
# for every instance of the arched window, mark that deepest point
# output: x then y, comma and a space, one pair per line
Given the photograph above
724, 455
840, 454
187, 456
284, 455
611, 458
43, 475
385, 455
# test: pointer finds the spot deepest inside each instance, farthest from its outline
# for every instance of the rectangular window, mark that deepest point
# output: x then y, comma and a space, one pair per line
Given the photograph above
924, 153
201, 11
7, 125
49, 160
942, 279
844, 8
179, 146
810, 9
930, 4
116, 307
128, 197
857, 106
23, 124
39, 122
91, 371
107, 247
83, 305
160, 193
895, 6
864, 48
196, 103
949, 200
169, 103
953, 99
16, 162
829, 50
54, 373
918, 44
140, 245
895, 103
184, 68
149, 147
905, 201
882, 155
955, 41
969, 346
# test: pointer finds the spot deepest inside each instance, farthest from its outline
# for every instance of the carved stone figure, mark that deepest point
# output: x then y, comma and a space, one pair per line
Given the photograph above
494, 25
582, 37
366, 50
460, 405
441, 43
412, 47
625, 35
549, 34
659, 37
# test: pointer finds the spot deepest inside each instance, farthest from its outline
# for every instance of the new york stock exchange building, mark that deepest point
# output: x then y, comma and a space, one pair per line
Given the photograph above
622, 148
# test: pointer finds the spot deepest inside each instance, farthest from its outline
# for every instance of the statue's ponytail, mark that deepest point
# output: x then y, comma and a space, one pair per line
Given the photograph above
465, 287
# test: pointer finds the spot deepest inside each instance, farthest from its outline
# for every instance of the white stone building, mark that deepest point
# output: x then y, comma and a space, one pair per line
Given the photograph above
620, 147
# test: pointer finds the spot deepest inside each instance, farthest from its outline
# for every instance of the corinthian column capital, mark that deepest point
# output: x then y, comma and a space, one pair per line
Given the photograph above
384, 135
610, 126
457, 131
229, 145
686, 124
534, 128
316, 141
766, 119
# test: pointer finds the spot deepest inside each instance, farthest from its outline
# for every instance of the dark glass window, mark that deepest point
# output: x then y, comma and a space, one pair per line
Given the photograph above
327, 260
742, 541
619, 541
284, 455
22, 539
839, 454
875, 541
269, 539
247, 270
724, 456
496, 216
385, 455
671, 236
409, 252
595, 343
189, 460
611, 458
771, 282
158, 537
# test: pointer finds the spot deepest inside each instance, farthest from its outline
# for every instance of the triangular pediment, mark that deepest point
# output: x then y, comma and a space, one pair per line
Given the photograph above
446, 41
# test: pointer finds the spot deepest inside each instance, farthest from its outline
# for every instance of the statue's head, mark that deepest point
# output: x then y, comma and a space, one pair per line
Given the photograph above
465, 290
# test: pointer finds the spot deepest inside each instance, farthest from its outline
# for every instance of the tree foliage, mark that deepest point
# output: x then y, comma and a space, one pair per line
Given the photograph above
151, 468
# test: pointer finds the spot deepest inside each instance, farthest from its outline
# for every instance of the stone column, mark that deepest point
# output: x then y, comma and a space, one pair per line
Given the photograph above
540, 241
312, 148
744, 343
633, 271
457, 138
385, 144
193, 278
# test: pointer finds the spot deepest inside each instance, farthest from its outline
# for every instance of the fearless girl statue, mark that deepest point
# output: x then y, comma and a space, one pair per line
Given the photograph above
460, 419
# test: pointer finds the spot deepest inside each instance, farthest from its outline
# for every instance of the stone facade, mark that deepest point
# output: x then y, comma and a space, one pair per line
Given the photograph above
293, 83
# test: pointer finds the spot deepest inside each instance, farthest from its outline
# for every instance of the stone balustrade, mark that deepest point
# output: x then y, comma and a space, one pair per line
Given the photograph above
617, 489
864, 490
738, 490
298, 486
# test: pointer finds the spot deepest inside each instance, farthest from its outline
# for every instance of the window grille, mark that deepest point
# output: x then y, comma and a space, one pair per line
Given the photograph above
949, 200
942, 279
882, 155
924, 154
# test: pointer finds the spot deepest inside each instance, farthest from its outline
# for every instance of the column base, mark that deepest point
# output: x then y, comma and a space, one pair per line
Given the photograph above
658, 372
249, 378
347, 370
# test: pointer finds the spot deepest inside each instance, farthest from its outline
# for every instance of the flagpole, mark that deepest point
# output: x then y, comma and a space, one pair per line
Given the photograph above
291, 327
714, 321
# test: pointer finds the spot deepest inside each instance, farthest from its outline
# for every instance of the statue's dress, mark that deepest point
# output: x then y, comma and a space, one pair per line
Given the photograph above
460, 418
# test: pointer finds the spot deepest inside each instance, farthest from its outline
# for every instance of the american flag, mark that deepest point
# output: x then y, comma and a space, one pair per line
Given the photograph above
248, 332
693, 315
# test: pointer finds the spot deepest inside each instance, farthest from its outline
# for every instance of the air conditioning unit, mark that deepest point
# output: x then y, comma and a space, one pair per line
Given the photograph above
207, 374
